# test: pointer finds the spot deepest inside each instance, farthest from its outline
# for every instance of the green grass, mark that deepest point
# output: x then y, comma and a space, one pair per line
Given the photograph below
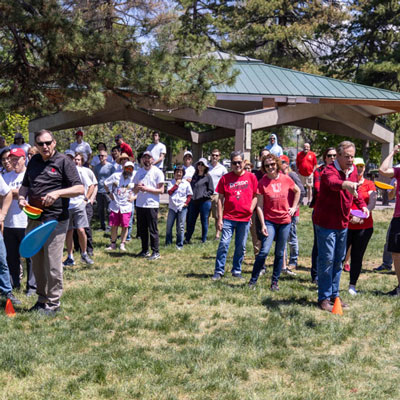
132, 329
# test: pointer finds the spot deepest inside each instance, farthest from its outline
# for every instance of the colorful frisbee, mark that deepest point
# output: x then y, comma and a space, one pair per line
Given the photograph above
35, 239
32, 212
31, 215
358, 214
383, 185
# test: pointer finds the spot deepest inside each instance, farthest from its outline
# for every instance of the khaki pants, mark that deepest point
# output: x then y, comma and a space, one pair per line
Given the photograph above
253, 230
47, 265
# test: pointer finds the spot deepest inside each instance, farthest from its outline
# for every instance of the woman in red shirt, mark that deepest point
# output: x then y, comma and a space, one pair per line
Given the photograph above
360, 230
275, 215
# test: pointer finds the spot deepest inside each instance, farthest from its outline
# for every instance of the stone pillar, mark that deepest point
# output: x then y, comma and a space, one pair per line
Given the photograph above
197, 150
240, 142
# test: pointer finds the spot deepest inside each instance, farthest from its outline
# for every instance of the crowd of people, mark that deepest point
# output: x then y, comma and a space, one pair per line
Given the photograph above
264, 201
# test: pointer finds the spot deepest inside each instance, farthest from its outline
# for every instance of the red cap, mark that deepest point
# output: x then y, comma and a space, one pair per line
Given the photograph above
284, 158
17, 152
79, 133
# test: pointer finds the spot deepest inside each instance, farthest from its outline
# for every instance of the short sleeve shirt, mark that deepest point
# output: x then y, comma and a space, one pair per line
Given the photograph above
239, 192
149, 177
156, 150
4, 188
178, 199
363, 190
217, 173
83, 147
103, 172
86, 181
96, 160
189, 172
122, 190
42, 177
15, 218
276, 201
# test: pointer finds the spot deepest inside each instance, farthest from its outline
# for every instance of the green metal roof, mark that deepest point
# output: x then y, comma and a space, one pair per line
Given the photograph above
257, 78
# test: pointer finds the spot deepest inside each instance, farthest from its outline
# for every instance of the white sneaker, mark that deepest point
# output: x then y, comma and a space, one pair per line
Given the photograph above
122, 247
352, 290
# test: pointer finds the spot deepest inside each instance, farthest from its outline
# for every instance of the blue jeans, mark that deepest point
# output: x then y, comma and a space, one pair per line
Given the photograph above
195, 208
293, 242
280, 232
228, 228
129, 235
5, 284
180, 217
331, 253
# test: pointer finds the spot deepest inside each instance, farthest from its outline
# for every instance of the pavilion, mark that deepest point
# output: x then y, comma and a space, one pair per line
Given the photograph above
264, 96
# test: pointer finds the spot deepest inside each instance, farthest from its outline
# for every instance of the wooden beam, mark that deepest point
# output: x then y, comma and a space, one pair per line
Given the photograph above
391, 104
215, 134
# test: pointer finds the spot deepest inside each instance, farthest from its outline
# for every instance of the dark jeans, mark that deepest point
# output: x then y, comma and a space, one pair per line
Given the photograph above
314, 256
88, 231
147, 219
358, 239
12, 239
195, 208
102, 208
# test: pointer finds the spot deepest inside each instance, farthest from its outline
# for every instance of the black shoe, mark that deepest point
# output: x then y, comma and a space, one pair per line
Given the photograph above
252, 285
217, 276
48, 312
154, 256
394, 292
237, 275
13, 299
274, 287
187, 242
38, 306
382, 267
143, 254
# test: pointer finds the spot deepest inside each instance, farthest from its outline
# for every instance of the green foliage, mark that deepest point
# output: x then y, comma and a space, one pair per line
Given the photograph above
13, 123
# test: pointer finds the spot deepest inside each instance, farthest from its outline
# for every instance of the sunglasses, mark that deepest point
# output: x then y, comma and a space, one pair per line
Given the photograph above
237, 162
269, 165
201, 165
331, 155
215, 155
47, 143
102, 155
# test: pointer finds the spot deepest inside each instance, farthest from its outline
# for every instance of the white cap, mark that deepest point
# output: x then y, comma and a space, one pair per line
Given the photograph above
129, 164
187, 153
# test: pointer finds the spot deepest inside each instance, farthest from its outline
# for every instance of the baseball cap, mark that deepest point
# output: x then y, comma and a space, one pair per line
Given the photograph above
187, 153
204, 161
80, 133
358, 161
69, 153
129, 164
284, 158
17, 152
147, 153
18, 136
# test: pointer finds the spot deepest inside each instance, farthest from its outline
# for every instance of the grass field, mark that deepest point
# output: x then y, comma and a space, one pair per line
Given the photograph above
133, 329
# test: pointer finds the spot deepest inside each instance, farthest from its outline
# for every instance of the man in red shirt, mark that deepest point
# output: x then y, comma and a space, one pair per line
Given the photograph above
125, 148
236, 202
339, 187
306, 162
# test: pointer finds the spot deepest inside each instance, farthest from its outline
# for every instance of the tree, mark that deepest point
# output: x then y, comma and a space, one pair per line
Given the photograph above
69, 54
13, 123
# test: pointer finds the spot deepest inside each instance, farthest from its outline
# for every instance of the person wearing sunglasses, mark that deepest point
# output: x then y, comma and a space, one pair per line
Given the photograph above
329, 156
202, 187
5, 161
275, 216
237, 199
50, 180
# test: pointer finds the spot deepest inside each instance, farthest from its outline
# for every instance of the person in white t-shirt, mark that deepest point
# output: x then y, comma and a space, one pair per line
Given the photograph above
15, 223
180, 193
19, 143
157, 150
119, 186
77, 216
217, 171
149, 184
189, 170
80, 146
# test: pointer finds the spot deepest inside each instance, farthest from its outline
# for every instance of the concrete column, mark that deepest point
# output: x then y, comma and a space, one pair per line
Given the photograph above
197, 150
386, 149
240, 139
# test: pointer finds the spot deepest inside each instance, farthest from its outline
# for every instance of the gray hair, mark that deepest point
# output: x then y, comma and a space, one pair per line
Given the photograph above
42, 132
237, 153
344, 145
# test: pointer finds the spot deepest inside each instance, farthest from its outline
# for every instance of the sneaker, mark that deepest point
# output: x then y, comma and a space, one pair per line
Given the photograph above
292, 267
346, 267
13, 299
263, 271
179, 247
382, 267
252, 285
237, 275
394, 292
86, 259
314, 281
217, 276
68, 262
352, 290
325, 305
122, 247
48, 312
143, 254
274, 287
111, 247
288, 271
154, 256
37, 306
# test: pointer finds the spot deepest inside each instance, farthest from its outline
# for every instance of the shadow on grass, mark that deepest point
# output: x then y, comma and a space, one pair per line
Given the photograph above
122, 254
198, 276
276, 304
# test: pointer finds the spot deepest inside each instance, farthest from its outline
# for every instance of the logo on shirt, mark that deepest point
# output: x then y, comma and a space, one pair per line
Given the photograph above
52, 171
276, 187
238, 187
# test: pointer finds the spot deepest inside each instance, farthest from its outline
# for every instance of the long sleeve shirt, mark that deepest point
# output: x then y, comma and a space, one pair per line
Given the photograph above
332, 209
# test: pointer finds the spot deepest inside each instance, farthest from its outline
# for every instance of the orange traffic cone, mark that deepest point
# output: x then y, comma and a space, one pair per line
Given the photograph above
9, 309
337, 307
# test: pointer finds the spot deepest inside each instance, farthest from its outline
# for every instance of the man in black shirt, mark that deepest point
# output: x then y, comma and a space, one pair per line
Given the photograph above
51, 178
